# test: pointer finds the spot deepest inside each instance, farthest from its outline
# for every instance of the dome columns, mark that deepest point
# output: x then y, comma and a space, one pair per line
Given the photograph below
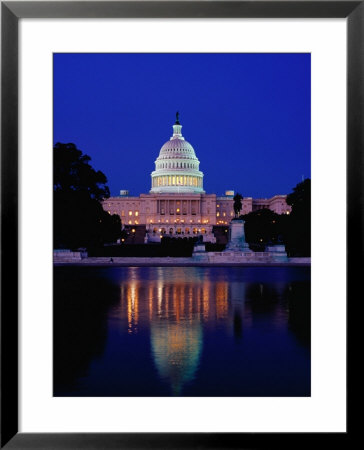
179, 180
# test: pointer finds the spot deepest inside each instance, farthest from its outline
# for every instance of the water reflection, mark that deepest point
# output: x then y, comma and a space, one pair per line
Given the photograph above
174, 300
176, 349
176, 310
180, 308
167, 331
80, 325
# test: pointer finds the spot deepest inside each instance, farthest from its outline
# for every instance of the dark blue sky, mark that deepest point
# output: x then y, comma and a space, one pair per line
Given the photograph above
248, 116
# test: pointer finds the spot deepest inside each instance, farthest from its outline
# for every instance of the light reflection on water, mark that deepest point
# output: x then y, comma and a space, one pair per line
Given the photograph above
171, 326
178, 307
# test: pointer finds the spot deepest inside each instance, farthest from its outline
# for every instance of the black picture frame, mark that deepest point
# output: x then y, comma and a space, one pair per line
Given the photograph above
11, 12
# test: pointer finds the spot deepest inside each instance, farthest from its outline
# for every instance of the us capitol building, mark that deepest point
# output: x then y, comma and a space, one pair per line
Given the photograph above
177, 205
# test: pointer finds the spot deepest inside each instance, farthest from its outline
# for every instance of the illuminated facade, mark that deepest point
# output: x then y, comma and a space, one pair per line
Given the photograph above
177, 204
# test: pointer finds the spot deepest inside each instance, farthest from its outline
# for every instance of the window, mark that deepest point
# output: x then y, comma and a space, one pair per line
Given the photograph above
130, 213
136, 213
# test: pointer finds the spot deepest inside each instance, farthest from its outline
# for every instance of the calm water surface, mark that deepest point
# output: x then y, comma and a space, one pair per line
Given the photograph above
181, 331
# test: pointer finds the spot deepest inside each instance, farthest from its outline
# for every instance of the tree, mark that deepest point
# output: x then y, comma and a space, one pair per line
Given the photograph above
300, 198
72, 173
264, 227
238, 198
298, 233
79, 219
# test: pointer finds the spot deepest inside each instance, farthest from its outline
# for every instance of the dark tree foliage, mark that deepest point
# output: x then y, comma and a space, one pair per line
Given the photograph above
298, 233
264, 227
72, 172
238, 198
79, 219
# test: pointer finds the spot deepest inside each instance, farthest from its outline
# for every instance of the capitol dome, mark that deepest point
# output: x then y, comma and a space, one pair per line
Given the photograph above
177, 167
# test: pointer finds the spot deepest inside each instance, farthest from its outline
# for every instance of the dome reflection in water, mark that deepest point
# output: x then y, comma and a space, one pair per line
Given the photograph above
176, 349
182, 331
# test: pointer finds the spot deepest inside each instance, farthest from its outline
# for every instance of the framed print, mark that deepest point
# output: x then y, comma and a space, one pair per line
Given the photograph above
160, 294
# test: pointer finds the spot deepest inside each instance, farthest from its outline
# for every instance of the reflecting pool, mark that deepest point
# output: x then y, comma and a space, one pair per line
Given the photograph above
181, 331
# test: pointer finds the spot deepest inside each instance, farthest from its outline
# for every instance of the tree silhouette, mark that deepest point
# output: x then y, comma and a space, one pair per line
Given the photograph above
79, 219
298, 234
264, 227
73, 173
